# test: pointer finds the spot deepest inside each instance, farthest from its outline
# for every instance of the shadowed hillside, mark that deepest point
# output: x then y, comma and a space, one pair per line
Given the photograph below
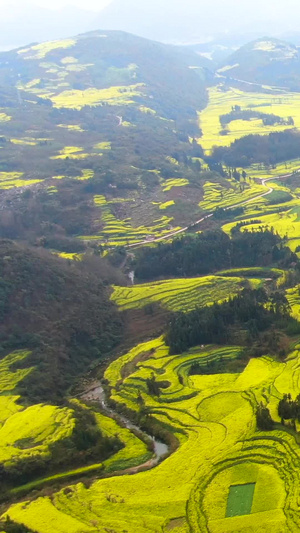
61, 312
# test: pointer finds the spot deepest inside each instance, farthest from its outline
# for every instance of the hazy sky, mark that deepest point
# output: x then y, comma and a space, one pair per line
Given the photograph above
95, 5
174, 21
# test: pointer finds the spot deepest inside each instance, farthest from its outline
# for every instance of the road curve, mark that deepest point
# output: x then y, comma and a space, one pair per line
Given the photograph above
193, 224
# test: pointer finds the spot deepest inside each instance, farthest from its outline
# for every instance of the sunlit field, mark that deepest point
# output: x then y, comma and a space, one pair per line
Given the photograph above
39, 51
11, 180
117, 232
220, 103
220, 449
180, 294
286, 223
113, 95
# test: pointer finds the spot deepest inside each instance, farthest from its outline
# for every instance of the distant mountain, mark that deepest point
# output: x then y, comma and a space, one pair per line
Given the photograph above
193, 21
169, 21
265, 61
101, 59
222, 46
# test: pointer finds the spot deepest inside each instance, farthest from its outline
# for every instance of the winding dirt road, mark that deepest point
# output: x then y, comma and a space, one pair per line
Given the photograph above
192, 225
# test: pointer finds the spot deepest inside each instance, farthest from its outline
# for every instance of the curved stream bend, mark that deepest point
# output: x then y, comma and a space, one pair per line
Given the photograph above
160, 448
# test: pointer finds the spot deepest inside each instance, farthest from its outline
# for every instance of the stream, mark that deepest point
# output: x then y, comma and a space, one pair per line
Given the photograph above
97, 394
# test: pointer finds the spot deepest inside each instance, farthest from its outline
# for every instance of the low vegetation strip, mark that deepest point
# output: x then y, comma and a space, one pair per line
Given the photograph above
180, 294
76, 99
117, 232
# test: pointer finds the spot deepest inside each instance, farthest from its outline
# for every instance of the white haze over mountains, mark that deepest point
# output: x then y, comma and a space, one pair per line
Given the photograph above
174, 21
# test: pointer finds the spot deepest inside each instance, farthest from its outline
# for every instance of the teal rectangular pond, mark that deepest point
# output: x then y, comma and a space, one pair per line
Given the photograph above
240, 499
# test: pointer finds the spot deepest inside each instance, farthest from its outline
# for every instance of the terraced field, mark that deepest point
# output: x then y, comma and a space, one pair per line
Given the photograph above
117, 232
282, 104
229, 194
286, 223
27, 432
181, 294
203, 486
11, 180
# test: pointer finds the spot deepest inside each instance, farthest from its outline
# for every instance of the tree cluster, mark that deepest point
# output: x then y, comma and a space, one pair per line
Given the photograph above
267, 149
242, 320
210, 251
263, 418
289, 409
269, 119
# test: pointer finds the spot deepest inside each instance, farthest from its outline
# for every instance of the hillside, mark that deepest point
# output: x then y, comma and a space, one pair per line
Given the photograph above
267, 61
65, 329
109, 119
149, 286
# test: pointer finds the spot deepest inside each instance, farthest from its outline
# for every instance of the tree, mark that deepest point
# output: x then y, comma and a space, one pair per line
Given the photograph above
263, 418
236, 175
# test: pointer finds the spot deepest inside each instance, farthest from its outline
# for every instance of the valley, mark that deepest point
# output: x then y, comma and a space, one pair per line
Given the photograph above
149, 288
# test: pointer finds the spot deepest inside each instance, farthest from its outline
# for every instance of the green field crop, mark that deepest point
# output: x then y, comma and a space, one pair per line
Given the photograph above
240, 499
